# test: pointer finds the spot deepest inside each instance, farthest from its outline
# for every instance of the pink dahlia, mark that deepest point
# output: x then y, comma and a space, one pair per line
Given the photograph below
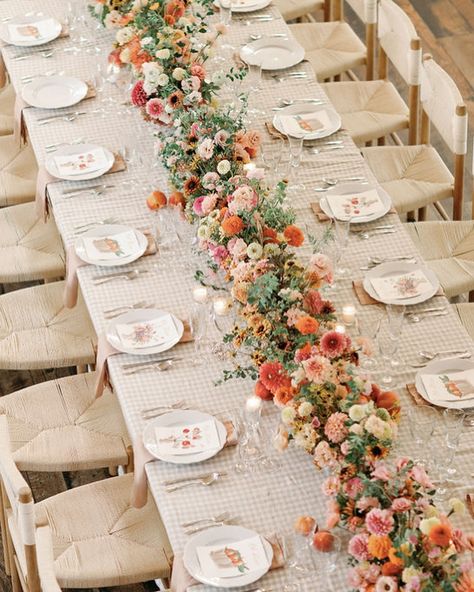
333, 344
139, 96
312, 302
197, 206
335, 428
381, 472
273, 376
199, 71
379, 522
353, 486
317, 368
358, 547
401, 504
155, 108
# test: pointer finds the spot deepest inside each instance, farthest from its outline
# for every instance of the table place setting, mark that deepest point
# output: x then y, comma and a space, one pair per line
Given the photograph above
272, 53
29, 31
56, 92
309, 121
358, 201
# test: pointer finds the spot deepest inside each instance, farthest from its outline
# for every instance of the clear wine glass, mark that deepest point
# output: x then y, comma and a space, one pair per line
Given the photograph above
422, 421
295, 151
387, 347
341, 234
368, 327
396, 319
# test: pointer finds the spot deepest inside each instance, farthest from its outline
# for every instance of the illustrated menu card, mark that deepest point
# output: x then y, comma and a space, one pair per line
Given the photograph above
80, 164
406, 285
243, 3
355, 205
27, 32
187, 439
455, 386
110, 248
147, 333
306, 123
233, 559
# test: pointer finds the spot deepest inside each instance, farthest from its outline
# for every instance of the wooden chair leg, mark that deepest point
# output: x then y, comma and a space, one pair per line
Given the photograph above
3, 525
81, 369
422, 214
113, 471
337, 78
130, 466
471, 296
411, 217
381, 141
369, 143
15, 578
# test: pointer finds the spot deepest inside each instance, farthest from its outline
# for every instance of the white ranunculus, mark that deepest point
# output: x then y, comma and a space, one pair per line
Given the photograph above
146, 41
179, 74
223, 167
124, 35
163, 54
163, 80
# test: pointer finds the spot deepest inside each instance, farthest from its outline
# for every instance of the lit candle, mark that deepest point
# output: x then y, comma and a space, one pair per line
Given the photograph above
348, 314
340, 329
200, 294
222, 306
253, 405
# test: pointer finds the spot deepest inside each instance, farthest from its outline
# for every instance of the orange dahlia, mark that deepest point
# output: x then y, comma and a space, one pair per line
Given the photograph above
273, 376
440, 534
232, 225
293, 235
307, 325
379, 546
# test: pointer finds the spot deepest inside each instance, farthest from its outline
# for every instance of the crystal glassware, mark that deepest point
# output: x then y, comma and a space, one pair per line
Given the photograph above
422, 421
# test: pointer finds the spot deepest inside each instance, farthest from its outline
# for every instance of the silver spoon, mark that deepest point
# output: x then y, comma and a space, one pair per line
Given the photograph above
219, 518
206, 481
447, 352
367, 235
296, 75
413, 318
129, 276
85, 227
254, 37
53, 147
331, 181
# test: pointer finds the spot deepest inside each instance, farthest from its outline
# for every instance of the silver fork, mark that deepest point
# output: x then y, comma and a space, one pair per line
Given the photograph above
95, 189
129, 276
53, 147
151, 411
44, 53
111, 312
69, 117
292, 75
218, 518
30, 77
202, 527
85, 227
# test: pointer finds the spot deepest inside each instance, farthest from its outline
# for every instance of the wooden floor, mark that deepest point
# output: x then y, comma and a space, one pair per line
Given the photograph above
446, 28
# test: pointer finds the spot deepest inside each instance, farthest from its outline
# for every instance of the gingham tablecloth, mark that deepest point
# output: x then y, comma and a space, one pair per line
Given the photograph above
266, 502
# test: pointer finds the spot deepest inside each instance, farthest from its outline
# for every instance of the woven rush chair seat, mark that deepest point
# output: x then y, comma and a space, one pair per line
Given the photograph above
100, 540
294, 9
59, 425
448, 249
413, 176
331, 48
7, 105
368, 109
37, 331
18, 171
465, 311
30, 249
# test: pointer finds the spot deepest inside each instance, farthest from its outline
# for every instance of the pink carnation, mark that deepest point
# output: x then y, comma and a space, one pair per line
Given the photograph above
333, 344
197, 206
353, 486
155, 108
208, 203
381, 472
331, 486
358, 547
379, 522
419, 475
312, 302
139, 96
367, 502
401, 504
219, 253
199, 71
335, 428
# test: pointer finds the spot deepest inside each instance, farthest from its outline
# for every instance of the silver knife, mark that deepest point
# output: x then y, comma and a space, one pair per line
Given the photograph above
193, 478
53, 117
96, 278
74, 192
140, 364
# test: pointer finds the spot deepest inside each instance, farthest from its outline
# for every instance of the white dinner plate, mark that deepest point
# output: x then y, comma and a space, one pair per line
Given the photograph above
444, 367
347, 188
53, 31
78, 149
301, 109
180, 418
139, 316
54, 92
273, 53
223, 535
397, 268
247, 6
110, 230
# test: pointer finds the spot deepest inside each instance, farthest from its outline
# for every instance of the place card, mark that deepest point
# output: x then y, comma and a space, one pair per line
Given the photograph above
187, 439
110, 248
402, 286
305, 123
233, 559
83, 163
355, 205
147, 333
452, 387
28, 31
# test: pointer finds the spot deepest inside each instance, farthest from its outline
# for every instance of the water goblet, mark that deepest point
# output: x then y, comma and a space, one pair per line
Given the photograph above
396, 318
422, 421
341, 234
387, 347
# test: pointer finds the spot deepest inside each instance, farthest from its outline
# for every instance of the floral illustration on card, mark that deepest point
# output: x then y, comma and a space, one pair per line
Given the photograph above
309, 123
108, 245
186, 439
228, 557
29, 31
458, 388
142, 334
81, 163
409, 285
357, 205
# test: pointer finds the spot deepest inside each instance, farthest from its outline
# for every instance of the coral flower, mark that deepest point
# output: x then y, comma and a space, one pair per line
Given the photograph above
379, 522
139, 96
313, 302
333, 344
307, 325
155, 108
273, 377
358, 547
335, 428
379, 546
175, 8
465, 583
283, 395
269, 235
232, 225
440, 534
240, 154
199, 71
293, 235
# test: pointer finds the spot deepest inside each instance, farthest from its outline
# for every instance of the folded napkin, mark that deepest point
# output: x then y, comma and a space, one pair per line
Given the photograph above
105, 349
181, 579
272, 130
141, 457
43, 178
3, 72
365, 298
413, 392
73, 262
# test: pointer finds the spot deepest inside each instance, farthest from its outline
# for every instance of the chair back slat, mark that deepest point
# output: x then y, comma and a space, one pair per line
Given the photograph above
396, 33
13, 482
48, 580
444, 106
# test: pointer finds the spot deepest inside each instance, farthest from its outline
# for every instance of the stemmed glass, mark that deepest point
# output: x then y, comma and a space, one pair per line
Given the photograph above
422, 423
225, 50
199, 317
387, 348
396, 319
327, 557
341, 235
453, 427
368, 327
295, 145
272, 152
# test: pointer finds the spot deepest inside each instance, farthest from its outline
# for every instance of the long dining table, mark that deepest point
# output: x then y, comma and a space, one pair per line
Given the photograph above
267, 501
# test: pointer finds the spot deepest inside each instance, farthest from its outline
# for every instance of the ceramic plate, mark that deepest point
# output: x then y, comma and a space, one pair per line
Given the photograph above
42, 29
141, 316
302, 109
223, 535
385, 270
54, 92
181, 418
109, 230
348, 188
249, 6
52, 168
444, 367
274, 53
